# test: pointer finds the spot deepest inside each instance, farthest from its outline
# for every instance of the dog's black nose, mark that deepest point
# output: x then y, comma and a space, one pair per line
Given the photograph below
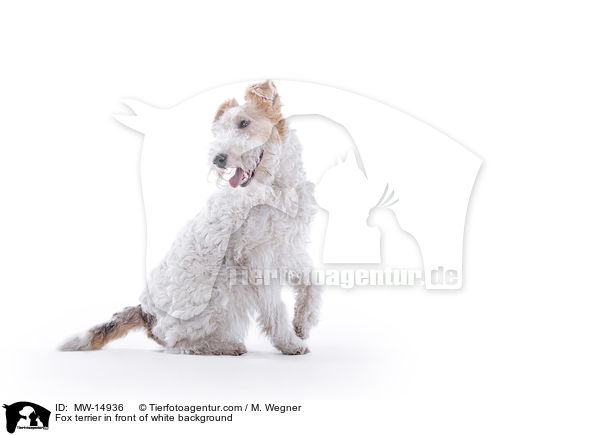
220, 160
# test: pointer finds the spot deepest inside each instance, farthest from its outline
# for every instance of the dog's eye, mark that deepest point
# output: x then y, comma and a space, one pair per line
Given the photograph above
244, 124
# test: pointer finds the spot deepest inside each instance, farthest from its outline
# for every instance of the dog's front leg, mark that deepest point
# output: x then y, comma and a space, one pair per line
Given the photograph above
272, 316
306, 309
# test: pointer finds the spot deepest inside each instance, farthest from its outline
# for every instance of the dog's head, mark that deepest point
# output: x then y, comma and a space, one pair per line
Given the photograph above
243, 134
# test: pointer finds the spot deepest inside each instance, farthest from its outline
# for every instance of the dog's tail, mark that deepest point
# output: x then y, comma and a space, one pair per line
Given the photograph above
119, 325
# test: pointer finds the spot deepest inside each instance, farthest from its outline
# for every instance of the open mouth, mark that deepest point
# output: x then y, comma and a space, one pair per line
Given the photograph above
243, 178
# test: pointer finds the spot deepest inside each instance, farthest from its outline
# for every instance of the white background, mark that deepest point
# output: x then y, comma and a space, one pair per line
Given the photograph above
514, 352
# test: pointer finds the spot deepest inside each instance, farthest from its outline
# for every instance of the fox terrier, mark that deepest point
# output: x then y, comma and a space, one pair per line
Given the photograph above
257, 221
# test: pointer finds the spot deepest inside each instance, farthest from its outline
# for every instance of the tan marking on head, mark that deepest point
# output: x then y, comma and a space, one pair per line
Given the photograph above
265, 128
266, 98
227, 105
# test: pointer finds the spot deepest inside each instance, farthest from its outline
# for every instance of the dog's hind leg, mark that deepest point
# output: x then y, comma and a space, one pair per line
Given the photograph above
272, 316
223, 330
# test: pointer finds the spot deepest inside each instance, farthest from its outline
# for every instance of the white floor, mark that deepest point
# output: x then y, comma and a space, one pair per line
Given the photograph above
421, 362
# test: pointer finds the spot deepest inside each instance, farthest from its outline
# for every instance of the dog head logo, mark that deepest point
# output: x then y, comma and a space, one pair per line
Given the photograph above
428, 178
26, 415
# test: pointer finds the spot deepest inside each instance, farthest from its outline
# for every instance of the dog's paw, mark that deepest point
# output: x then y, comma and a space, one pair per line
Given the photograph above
297, 351
234, 350
303, 322
209, 349
239, 350
294, 349
301, 330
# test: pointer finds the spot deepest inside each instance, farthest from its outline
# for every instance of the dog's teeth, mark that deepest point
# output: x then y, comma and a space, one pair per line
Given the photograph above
229, 172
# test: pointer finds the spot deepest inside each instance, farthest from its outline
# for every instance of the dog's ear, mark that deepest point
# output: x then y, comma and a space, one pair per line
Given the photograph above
227, 105
265, 95
265, 91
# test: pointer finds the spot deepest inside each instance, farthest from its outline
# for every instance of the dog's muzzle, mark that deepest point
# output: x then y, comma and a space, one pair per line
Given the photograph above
238, 176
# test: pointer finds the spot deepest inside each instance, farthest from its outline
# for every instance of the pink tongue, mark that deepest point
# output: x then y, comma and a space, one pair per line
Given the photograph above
236, 178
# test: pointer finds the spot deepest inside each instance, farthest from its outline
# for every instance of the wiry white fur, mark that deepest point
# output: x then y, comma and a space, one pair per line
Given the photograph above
197, 309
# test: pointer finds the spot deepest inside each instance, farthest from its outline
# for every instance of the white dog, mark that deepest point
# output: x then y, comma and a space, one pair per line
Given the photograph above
259, 223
